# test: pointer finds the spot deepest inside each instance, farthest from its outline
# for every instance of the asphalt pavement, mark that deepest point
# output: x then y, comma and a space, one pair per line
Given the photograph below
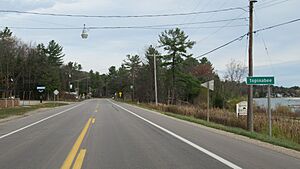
104, 134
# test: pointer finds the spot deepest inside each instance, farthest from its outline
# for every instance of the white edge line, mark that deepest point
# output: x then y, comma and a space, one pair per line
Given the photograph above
226, 162
37, 122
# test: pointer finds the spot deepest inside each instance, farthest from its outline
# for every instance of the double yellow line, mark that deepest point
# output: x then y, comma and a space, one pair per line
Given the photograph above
79, 160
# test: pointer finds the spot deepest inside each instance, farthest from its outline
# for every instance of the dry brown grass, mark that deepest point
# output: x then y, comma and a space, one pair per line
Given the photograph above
284, 122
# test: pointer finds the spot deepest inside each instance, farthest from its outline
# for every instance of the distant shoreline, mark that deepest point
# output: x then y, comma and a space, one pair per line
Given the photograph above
292, 102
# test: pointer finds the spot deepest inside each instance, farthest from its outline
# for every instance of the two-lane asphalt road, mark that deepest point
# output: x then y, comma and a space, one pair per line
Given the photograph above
103, 134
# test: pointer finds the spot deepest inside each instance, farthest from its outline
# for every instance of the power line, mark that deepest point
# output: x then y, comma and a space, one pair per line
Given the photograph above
135, 27
208, 27
123, 27
122, 16
271, 3
267, 2
241, 37
265, 45
194, 23
226, 44
220, 28
224, 26
274, 26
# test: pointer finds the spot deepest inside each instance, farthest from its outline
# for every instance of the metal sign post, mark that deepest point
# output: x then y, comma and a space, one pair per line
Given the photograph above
40, 89
207, 101
56, 92
269, 111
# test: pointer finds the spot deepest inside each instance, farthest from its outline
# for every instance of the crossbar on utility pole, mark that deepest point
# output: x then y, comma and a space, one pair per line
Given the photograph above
250, 52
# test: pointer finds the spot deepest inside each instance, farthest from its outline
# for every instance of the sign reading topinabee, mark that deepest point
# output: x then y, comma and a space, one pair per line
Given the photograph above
260, 80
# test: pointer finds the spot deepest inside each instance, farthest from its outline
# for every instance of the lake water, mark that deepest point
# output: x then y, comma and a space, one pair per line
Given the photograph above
293, 102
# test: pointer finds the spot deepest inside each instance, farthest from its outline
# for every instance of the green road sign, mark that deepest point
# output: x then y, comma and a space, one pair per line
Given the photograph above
260, 80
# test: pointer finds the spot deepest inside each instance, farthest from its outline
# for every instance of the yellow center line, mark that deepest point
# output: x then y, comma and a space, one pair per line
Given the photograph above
69, 160
93, 120
79, 159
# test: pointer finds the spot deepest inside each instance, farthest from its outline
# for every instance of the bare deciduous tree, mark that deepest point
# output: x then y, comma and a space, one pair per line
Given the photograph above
235, 71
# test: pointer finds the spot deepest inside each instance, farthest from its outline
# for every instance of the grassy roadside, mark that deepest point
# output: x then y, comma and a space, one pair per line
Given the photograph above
254, 135
7, 112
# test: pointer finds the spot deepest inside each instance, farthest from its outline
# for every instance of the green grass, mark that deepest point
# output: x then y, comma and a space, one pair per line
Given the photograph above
254, 135
7, 112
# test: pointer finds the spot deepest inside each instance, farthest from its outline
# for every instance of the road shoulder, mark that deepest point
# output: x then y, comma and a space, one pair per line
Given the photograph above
283, 150
31, 112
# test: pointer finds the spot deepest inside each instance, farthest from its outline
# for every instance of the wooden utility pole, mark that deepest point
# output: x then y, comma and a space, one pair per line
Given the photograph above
155, 79
250, 87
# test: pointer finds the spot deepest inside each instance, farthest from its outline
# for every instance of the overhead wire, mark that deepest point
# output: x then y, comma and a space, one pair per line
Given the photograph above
147, 15
222, 27
219, 47
202, 8
277, 25
267, 4
210, 16
121, 16
271, 3
136, 27
97, 28
265, 45
242, 36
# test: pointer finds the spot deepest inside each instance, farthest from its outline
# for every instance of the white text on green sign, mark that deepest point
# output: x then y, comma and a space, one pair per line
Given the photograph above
260, 80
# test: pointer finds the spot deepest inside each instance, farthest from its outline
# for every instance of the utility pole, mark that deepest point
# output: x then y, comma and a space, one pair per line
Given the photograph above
155, 76
250, 52
155, 80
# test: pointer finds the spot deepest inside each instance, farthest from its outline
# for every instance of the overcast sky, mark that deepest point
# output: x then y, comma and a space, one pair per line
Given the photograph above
276, 51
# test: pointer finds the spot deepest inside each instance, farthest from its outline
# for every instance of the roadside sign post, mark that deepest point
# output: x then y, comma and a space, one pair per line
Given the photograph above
269, 111
210, 86
56, 92
207, 102
40, 89
270, 80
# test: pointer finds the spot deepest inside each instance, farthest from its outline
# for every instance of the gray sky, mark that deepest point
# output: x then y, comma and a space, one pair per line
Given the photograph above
105, 48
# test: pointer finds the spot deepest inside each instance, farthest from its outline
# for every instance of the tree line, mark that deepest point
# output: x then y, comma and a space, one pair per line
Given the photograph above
179, 74
23, 67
